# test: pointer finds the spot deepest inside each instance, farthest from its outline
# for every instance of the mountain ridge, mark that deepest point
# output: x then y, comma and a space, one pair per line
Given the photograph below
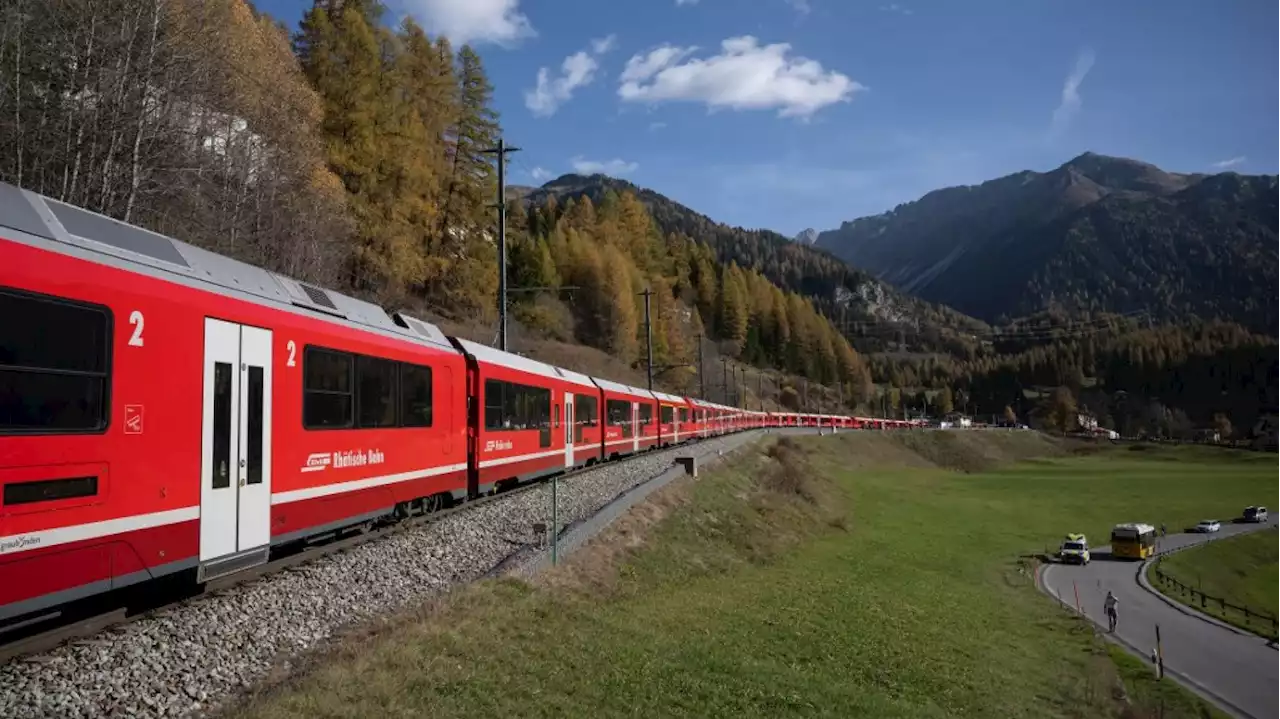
1080, 238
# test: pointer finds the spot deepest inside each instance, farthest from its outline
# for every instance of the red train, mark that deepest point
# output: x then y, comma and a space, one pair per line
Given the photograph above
169, 412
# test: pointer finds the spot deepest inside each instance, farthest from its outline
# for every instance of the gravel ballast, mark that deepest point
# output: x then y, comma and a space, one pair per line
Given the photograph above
188, 658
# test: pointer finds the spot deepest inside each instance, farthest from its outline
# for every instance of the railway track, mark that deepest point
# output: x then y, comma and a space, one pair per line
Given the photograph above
31, 638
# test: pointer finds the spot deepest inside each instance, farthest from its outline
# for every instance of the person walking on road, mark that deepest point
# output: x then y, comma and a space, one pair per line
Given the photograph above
1109, 606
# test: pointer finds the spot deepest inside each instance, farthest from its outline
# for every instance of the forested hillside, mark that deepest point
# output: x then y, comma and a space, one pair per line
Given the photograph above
352, 155
1165, 381
869, 311
599, 258
1098, 234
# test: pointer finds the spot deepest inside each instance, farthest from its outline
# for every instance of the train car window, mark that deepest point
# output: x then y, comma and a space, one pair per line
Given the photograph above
584, 410
55, 358
328, 400
618, 414
684, 415
543, 412
668, 414
646, 414
253, 469
512, 406
493, 405
540, 405
49, 490
376, 392
584, 414
415, 395
220, 471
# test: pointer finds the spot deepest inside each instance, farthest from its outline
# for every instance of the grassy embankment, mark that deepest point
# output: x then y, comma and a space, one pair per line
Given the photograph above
867, 578
1245, 570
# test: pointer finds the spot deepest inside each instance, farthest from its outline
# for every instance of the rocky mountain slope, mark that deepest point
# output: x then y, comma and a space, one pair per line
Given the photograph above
1096, 234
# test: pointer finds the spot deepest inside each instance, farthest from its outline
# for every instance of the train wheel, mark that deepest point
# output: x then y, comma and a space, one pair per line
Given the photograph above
432, 504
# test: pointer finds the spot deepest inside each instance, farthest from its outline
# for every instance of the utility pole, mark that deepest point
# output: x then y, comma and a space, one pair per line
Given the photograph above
648, 336
501, 151
760, 391
742, 400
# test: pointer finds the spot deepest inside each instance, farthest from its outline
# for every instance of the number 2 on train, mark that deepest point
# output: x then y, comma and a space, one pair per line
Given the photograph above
138, 321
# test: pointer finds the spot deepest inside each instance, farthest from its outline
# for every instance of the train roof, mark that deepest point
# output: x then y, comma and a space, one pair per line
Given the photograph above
577, 377
611, 386
497, 357
668, 397
135, 248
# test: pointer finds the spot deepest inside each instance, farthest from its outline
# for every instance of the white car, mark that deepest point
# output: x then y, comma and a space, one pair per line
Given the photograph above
1207, 526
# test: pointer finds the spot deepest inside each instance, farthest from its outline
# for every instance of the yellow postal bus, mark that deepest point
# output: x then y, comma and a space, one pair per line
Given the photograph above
1133, 541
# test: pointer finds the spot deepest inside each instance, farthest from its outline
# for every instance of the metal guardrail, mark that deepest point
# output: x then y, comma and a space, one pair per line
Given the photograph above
1252, 445
1192, 593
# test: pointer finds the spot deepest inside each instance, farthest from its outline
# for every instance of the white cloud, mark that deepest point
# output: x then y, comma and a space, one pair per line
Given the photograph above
1069, 106
539, 174
800, 6
894, 7
472, 21
613, 167
604, 44
1224, 164
577, 70
686, 2
744, 76
655, 126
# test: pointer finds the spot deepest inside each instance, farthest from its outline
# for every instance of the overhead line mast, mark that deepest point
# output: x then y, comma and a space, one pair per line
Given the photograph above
501, 151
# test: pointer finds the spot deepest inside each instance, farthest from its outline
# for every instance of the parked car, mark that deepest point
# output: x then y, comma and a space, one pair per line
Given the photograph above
1255, 514
1207, 526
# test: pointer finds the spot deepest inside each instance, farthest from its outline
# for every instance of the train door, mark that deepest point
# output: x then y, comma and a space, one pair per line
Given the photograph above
568, 429
235, 476
636, 429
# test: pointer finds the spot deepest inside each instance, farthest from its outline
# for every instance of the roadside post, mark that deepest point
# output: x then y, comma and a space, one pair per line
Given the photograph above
1159, 655
555, 519
1076, 589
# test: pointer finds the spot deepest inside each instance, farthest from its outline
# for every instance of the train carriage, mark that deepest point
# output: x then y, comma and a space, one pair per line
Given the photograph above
723, 423
154, 417
518, 417
364, 424
631, 418
673, 419
710, 419
584, 415
697, 426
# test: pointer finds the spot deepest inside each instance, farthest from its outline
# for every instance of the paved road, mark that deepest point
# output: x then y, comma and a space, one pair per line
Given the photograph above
1234, 669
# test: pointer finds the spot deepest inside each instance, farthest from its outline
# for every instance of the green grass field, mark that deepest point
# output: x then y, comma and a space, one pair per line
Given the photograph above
1245, 570
878, 581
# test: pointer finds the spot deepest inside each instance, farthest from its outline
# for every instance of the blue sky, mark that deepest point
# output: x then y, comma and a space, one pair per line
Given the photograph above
789, 114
